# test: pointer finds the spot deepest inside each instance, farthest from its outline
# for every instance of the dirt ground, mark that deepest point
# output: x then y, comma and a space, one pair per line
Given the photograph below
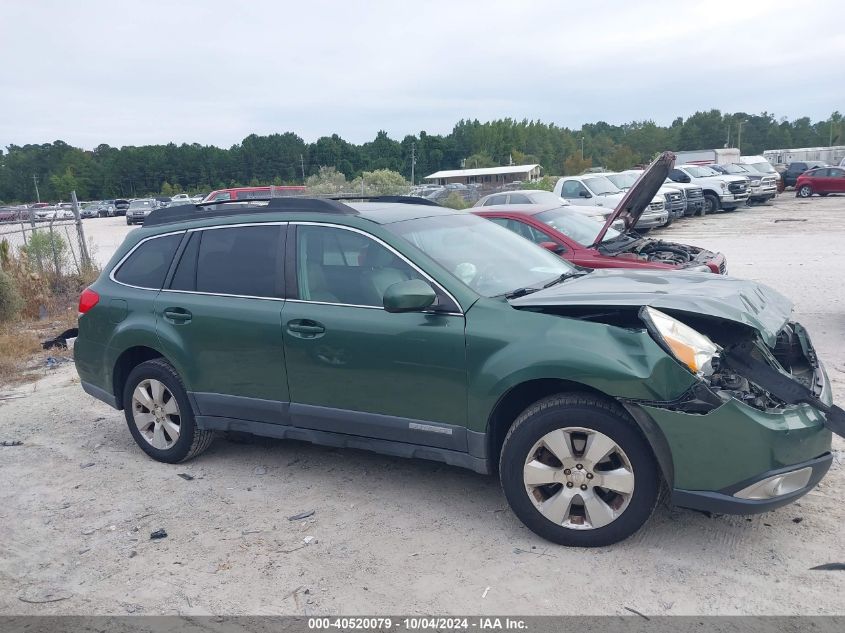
78, 501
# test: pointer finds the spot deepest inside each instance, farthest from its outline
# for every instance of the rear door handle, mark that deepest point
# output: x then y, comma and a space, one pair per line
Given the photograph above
305, 328
177, 315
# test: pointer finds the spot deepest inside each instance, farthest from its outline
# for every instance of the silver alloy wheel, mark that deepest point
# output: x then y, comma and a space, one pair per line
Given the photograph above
805, 191
156, 413
709, 207
578, 478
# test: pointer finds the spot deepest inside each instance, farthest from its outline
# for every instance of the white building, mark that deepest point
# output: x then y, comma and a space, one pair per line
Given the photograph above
491, 176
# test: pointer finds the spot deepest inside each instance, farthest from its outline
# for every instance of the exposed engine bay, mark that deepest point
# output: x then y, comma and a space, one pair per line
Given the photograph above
666, 253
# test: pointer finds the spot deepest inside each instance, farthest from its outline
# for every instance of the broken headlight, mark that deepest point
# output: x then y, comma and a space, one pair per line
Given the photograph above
692, 349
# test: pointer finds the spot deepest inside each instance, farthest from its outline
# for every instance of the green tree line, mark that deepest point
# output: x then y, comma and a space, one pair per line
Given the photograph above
132, 171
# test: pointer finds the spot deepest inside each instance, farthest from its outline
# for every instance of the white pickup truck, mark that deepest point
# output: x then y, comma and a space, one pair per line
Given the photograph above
596, 189
720, 191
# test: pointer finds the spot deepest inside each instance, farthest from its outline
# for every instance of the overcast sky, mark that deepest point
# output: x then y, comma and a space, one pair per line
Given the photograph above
130, 73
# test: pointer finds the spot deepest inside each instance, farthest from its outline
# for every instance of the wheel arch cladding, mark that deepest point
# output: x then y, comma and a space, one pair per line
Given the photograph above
517, 400
125, 363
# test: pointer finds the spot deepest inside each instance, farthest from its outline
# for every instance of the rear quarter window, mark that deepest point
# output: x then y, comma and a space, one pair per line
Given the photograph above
147, 266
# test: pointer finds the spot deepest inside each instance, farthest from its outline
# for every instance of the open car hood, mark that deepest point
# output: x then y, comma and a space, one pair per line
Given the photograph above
638, 197
701, 294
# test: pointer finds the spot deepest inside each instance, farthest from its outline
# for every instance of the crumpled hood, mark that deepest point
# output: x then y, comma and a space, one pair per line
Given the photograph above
729, 298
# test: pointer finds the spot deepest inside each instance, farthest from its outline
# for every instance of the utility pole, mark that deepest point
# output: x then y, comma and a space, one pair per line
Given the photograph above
582, 148
830, 140
302, 163
35, 180
739, 136
414, 161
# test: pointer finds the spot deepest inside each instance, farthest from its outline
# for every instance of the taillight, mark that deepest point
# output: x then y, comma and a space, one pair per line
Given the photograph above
87, 300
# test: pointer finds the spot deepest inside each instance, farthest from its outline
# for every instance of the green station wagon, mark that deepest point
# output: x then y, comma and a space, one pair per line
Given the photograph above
401, 327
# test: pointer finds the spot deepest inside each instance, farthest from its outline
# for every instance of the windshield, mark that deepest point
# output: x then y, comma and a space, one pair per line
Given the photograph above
547, 197
139, 204
623, 181
580, 228
601, 186
700, 172
92, 205
763, 167
488, 258
735, 169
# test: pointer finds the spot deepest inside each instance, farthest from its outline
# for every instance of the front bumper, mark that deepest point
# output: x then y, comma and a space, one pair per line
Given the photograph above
694, 206
720, 457
651, 219
727, 502
728, 198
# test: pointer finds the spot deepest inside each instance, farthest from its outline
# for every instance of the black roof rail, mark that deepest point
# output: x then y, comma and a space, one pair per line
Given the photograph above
401, 199
186, 212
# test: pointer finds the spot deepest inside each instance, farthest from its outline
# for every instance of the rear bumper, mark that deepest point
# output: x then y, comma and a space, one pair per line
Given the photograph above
100, 394
726, 502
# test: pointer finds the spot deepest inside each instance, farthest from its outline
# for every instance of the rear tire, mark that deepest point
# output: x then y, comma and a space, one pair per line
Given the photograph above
595, 442
159, 414
711, 204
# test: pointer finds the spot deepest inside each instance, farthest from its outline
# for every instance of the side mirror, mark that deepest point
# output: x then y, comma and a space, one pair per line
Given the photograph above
408, 296
553, 247
584, 194
684, 178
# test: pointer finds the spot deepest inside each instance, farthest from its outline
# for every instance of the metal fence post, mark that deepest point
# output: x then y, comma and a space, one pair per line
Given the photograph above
34, 232
80, 234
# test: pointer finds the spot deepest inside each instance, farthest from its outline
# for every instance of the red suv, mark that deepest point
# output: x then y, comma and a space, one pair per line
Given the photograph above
250, 193
822, 180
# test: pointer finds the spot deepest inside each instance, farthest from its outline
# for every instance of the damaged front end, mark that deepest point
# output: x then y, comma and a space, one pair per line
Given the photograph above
732, 362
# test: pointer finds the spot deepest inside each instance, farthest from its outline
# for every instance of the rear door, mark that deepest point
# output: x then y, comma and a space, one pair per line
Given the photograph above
219, 320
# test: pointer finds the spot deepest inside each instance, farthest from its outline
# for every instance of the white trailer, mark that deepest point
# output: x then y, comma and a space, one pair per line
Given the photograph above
722, 156
830, 155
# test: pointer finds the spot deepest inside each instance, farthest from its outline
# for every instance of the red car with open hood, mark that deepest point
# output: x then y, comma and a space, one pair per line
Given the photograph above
586, 242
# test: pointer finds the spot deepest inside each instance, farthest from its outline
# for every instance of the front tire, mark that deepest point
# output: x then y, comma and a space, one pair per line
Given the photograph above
159, 414
577, 471
711, 203
805, 191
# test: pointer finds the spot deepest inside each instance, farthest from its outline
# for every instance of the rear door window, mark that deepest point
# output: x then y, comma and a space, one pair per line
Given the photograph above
244, 261
147, 266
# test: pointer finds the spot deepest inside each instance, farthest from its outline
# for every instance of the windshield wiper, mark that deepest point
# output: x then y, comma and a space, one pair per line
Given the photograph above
521, 292
564, 276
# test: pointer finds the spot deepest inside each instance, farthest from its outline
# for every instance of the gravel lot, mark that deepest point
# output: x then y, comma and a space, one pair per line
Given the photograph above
78, 502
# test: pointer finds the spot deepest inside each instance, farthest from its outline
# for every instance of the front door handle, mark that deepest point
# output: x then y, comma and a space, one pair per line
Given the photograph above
177, 315
306, 328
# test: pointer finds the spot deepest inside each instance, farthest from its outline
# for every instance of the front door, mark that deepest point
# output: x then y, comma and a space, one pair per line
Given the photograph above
219, 319
835, 180
356, 369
